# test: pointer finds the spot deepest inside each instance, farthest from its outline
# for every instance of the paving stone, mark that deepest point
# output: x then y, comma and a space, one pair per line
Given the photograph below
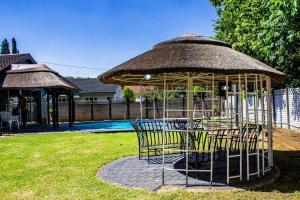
132, 172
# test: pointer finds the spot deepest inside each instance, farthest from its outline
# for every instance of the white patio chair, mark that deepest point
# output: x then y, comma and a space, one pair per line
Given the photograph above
7, 117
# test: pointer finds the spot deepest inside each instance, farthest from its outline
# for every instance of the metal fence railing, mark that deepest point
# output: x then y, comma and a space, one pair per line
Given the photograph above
286, 104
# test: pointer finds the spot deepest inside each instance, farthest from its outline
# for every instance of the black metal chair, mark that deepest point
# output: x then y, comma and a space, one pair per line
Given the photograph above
218, 138
152, 137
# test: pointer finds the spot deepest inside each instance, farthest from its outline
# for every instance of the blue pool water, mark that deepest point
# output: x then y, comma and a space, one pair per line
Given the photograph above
105, 126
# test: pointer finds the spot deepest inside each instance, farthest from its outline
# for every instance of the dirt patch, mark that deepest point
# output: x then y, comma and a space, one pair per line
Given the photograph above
286, 140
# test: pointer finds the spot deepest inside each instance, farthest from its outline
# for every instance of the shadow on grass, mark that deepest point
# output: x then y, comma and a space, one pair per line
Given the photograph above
288, 163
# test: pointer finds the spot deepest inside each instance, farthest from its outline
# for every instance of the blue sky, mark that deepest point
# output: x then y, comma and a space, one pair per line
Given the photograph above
99, 33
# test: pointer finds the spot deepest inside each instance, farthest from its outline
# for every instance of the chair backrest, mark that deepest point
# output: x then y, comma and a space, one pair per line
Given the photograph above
150, 133
218, 140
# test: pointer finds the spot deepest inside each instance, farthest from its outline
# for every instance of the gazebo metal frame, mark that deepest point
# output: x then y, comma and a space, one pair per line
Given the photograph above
242, 81
237, 115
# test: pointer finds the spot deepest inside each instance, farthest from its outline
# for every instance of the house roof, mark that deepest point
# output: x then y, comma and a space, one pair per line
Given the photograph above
8, 59
34, 76
93, 85
187, 53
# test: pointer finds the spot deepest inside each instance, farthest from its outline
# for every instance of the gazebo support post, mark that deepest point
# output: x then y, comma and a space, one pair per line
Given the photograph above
228, 133
269, 124
70, 95
73, 109
240, 124
7, 102
57, 118
147, 109
236, 104
164, 130
257, 126
183, 105
247, 126
30, 106
262, 98
212, 130
53, 109
141, 102
190, 121
48, 107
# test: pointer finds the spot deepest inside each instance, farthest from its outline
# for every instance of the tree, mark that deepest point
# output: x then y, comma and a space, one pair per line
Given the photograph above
266, 30
153, 94
128, 94
5, 47
14, 49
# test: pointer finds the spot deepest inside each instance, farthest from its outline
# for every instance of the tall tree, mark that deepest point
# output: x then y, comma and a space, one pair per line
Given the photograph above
5, 47
14, 49
267, 30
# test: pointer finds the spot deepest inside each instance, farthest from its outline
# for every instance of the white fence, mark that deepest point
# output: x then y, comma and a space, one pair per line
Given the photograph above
287, 108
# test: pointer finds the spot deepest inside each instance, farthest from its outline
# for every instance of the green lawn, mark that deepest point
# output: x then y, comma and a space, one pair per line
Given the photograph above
63, 166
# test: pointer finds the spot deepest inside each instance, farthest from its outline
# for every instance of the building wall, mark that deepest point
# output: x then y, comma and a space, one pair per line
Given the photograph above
96, 96
118, 94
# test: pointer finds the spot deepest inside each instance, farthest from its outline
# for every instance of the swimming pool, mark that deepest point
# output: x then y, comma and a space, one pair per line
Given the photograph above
104, 126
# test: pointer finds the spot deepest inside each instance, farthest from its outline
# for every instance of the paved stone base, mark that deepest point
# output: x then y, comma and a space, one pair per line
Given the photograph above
134, 173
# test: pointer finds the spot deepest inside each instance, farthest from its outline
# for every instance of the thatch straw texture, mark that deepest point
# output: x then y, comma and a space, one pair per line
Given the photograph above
191, 54
8, 59
34, 76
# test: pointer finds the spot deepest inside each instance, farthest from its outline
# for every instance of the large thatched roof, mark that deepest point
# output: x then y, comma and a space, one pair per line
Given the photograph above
189, 54
34, 76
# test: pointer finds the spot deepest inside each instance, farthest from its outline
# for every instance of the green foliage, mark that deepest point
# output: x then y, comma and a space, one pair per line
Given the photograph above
5, 47
156, 93
199, 88
14, 49
128, 94
153, 93
267, 30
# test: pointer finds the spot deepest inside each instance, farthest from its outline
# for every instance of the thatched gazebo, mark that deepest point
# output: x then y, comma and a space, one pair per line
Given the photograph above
239, 134
21, 78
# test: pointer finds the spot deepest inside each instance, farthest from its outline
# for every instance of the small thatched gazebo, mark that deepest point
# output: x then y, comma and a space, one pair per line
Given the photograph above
29, 77
229, 79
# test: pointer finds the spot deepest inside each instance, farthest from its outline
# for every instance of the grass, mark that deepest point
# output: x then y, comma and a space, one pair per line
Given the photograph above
63, 166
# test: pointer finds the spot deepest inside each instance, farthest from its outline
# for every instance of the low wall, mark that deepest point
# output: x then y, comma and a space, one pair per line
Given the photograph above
100, 110
97, 111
